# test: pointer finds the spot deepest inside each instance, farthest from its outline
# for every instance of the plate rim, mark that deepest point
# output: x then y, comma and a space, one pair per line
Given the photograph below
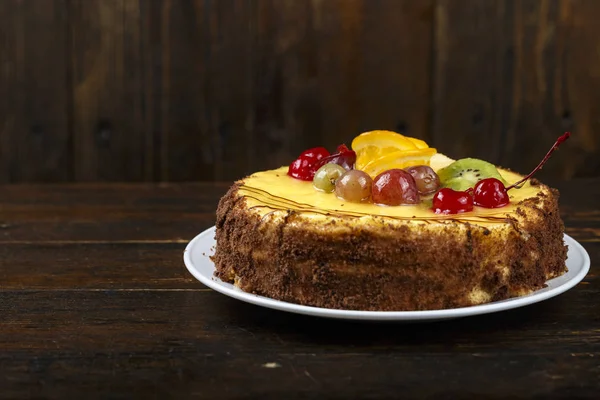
502, 305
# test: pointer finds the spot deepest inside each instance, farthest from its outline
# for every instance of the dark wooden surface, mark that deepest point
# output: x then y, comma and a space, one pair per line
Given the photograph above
96, 303
204, 90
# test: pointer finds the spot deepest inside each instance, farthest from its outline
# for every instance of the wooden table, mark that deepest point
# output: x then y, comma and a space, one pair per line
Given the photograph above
96, 302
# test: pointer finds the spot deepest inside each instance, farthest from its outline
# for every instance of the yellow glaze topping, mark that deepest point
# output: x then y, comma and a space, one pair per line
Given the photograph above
275, 190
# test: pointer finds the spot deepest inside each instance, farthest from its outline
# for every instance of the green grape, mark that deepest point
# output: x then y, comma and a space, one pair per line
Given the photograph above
326, 177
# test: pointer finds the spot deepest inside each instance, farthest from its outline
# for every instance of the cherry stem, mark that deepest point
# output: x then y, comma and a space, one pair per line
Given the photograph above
558, 142
342, 150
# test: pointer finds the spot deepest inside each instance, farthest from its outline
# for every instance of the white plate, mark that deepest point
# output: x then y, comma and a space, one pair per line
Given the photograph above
197, 261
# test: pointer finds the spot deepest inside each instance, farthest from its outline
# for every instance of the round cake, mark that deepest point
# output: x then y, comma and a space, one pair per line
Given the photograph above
278, 237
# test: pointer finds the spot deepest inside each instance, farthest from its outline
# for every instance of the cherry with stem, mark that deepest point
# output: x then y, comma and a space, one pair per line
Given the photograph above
489, 192
558, 142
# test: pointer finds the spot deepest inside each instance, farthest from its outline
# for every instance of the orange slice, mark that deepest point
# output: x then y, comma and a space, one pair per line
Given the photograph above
375, 144
399, 159
421, 144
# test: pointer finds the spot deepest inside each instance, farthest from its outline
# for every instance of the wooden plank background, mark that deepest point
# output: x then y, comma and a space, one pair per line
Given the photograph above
181, 90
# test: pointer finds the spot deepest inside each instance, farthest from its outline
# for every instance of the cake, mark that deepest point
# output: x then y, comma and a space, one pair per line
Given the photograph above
278, 237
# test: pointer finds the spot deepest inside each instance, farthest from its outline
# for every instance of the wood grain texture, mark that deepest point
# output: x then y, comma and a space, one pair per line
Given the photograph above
581, 65
469, 82
110, 131
168, 344
96, 301
241, 79
205, 90
58, 214
34, 102
513, 75
84, 265
205, 78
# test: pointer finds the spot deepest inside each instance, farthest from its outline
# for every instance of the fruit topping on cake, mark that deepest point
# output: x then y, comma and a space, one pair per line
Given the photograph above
378, 151
465, 173
305, 166
326, 177
389, 169
344, 157
354, 186
426, 179
395, 187
308, 163
389, 225
489, 190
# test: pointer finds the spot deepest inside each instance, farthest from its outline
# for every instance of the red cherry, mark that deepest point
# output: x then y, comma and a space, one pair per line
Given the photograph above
342, 148
490, 193
316, 153
449, 201
299, 169
305, 166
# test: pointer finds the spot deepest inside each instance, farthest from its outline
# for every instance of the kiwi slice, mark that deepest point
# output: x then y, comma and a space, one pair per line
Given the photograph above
466, 172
